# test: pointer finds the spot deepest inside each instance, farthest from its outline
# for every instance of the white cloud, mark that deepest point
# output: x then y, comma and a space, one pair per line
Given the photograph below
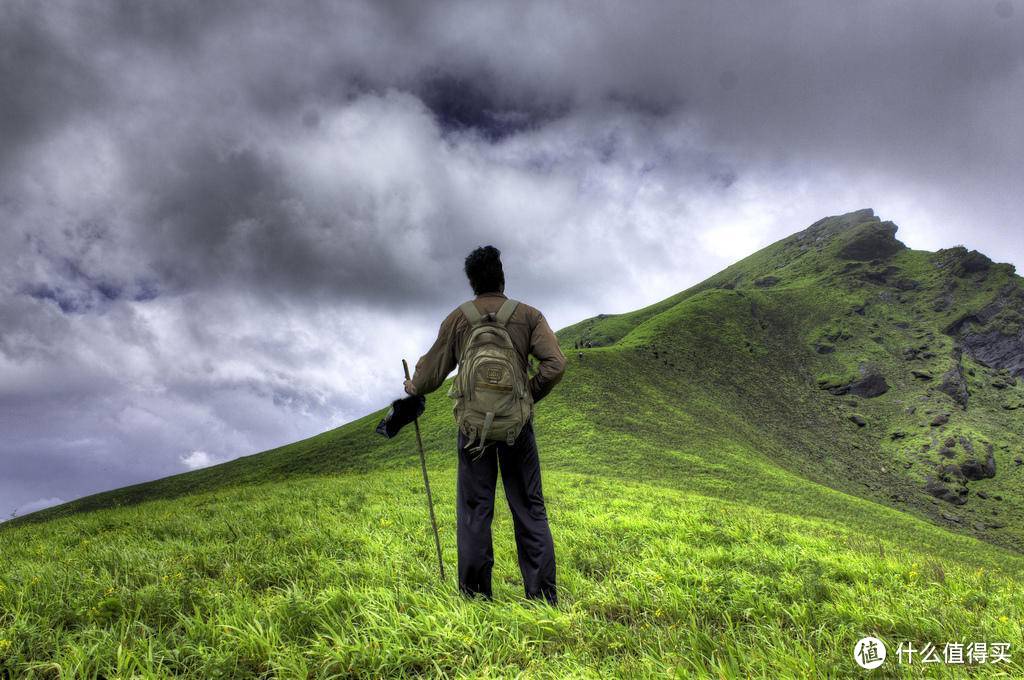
198, 459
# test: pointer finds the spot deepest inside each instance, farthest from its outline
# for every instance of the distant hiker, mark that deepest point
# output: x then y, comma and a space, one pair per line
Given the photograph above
490, 339
580, 356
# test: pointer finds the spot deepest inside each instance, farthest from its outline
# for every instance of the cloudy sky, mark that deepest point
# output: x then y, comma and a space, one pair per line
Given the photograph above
223, 224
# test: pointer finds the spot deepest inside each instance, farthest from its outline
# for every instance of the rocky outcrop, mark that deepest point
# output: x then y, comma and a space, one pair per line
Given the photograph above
827, 227
961, 262
872, 241
973, 262
870, 384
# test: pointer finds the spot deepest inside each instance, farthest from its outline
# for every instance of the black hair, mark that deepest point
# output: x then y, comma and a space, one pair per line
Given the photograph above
483, 269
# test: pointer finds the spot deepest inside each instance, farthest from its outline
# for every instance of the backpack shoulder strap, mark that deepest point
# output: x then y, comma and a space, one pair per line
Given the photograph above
505, 312
471, 312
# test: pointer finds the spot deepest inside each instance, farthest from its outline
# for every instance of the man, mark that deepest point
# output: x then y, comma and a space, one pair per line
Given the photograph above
518, 461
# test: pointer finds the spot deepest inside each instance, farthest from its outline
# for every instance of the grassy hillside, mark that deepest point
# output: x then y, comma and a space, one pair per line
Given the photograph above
743, 480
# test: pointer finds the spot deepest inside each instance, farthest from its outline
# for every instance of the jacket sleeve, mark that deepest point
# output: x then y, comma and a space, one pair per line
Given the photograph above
544, 346
440, 360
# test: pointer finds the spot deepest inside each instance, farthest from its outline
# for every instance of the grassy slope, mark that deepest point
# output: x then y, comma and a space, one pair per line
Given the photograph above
715, 512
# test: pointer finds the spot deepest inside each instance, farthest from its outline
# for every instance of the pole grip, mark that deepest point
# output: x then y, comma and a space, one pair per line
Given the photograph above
405, 365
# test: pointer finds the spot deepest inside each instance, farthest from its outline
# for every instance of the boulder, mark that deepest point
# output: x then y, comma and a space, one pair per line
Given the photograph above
955, 385
974, 469
858, 420
940, 420
871, 384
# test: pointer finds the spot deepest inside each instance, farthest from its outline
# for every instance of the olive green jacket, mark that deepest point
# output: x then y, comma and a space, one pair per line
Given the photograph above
530, 334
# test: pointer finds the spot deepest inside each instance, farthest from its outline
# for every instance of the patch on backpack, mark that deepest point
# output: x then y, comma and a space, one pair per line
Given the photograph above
493, 375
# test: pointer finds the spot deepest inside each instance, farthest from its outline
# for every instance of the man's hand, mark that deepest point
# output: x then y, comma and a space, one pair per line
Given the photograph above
410, 389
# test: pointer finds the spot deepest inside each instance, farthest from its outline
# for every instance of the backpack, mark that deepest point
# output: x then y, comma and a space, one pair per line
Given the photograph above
492, 398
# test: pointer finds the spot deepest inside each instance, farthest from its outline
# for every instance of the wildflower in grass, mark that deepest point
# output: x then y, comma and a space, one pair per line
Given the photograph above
4, 645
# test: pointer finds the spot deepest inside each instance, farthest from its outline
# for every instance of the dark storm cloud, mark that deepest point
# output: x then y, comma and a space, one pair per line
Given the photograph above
43, 82
462, 103
220, 222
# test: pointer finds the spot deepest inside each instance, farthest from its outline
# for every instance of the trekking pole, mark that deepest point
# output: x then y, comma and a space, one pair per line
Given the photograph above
426, 483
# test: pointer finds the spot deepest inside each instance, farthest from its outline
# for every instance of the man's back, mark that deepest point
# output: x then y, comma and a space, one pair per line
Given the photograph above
530, 334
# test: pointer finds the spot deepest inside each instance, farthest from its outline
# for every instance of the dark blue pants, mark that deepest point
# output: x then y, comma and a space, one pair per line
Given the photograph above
520, 475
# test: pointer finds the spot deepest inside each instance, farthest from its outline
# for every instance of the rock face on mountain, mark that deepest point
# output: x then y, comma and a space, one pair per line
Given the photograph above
993, 335
997, 349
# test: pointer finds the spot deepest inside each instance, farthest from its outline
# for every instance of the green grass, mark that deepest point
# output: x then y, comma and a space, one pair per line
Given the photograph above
715, 513
334, 576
